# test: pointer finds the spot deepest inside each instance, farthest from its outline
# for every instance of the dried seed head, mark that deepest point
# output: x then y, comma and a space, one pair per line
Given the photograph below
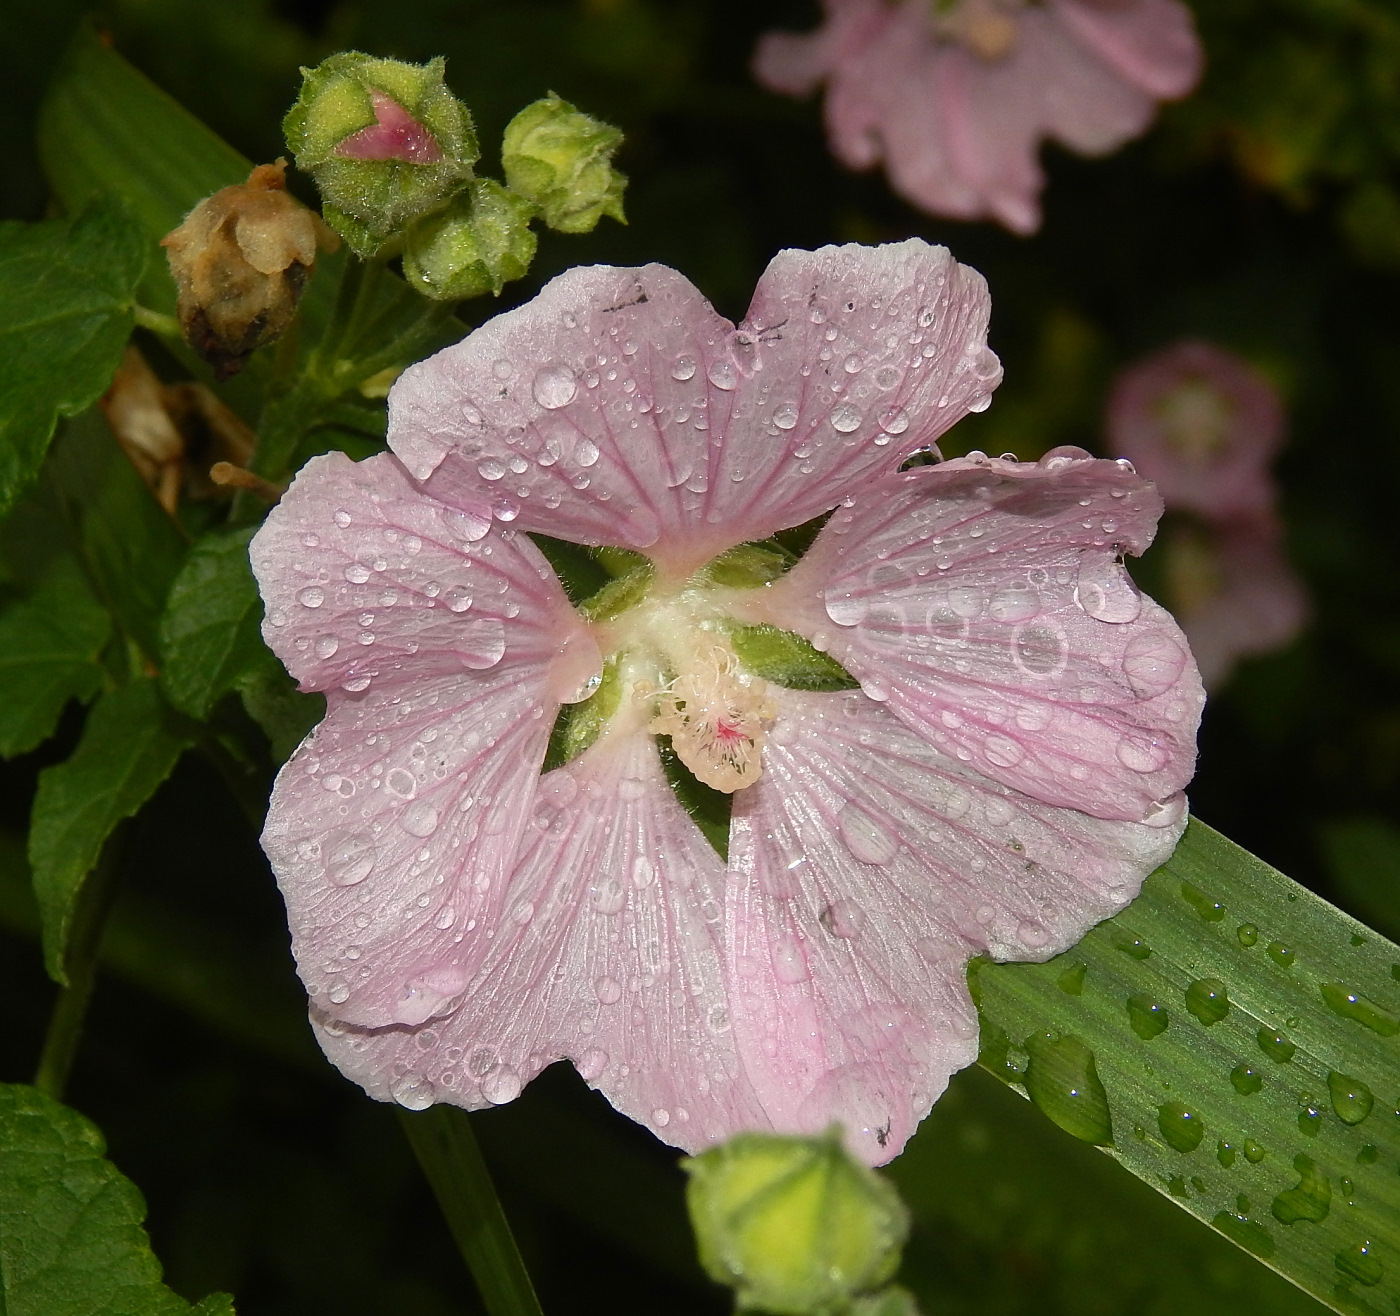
240, 261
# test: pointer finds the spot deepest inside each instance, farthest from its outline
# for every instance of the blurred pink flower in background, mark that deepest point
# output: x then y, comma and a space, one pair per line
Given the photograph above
957, 95
1204, 426
1007, 772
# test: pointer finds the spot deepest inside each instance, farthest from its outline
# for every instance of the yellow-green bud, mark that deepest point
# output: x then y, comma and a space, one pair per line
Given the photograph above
562, 161
385, 141
794, 1225
476, 245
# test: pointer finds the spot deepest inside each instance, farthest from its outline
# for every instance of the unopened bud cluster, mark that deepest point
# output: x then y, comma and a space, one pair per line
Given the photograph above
393, 150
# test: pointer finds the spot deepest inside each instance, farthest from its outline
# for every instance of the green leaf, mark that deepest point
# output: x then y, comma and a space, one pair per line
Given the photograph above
1011, 1219
71, 1236
66, 293
129, 746
209, 636
105, 130
130, 548
49, 647
1264, 1107
273, 701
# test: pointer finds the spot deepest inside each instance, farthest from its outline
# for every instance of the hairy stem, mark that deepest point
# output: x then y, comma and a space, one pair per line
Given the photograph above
446, 1148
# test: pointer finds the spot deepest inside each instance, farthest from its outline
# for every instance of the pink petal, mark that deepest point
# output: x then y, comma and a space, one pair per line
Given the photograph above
992, 116
618, 408
611, 957
393, 827
1218, 464
396, 135
1151, 43
985, 601
866, 869
1251, 602
796, 63
1088, 104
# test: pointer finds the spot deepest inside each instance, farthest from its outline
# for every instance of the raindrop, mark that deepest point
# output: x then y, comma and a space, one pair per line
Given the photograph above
684, 368
1283, 956
608, 990
1105, 591
1181, 1127
1248, 934
722, 374
785, 416
326, 646
1148, 1018
1359, 1264
1002, 751
789, 963
1129, 943
1208, 1000
482, 643
1341, 1000
1351, 1098
1210, 910
469, 526
1016, 602
1225, 1154
1309, 1119
312, 596
1254, 1152
607, 896
1071, 981
591, 1063
413, 1091
1310, 1200
501, 1085
555, 386
457, 599
845, 418
866, 838
1246, 1080
1276, 1046
1063, 1081
1041, 649
341, 518
419, 819
356, 573
894, 420
586, 454
351, 861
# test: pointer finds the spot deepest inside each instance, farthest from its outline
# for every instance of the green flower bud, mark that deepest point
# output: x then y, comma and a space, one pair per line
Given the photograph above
794, 1225
385, 141
478, 244
562, 161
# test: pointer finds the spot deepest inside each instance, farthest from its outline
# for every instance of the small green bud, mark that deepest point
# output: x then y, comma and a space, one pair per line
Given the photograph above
562, 161
794, 1225
385, 141
478, 244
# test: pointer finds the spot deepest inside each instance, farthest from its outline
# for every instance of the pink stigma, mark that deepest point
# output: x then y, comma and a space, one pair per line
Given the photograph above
396, 135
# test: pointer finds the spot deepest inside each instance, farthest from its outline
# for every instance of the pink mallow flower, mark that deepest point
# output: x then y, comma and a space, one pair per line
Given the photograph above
1204, 426
956, 95
1008, 771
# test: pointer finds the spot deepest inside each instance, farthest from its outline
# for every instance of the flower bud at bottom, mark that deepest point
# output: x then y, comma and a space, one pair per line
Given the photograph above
240, 261
480, 242
562, 160
794, 1225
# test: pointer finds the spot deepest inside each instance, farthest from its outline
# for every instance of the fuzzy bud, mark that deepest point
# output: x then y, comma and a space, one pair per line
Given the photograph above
794, 1225
562, 161
240, 261
478, 244
385, 141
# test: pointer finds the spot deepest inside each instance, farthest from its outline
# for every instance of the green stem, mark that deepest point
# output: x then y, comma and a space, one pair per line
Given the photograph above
446, 1147
65, 1028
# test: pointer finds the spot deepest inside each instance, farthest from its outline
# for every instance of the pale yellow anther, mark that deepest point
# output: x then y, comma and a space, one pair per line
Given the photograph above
716, 717
988, 28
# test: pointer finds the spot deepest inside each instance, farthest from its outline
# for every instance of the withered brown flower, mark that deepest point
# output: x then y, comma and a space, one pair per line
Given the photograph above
240, 261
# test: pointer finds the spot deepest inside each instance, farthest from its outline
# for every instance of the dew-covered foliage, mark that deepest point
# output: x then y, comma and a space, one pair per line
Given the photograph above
691, 696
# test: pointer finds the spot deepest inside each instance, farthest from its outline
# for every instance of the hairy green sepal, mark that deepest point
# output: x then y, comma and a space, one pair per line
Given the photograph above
788, 660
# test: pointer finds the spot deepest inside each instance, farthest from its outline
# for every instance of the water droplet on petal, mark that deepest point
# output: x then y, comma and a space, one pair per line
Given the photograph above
865, 837
481, 643
894, 420
554, 386
785, 416
501, 1085
684, 368
326, 646
1152, 662
413, 1091
419, 819
351, 861
1105, 590
341, 518
312, 596
591, 1063
608, 990
845, 418
1140, 755
722, 375
469, 526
